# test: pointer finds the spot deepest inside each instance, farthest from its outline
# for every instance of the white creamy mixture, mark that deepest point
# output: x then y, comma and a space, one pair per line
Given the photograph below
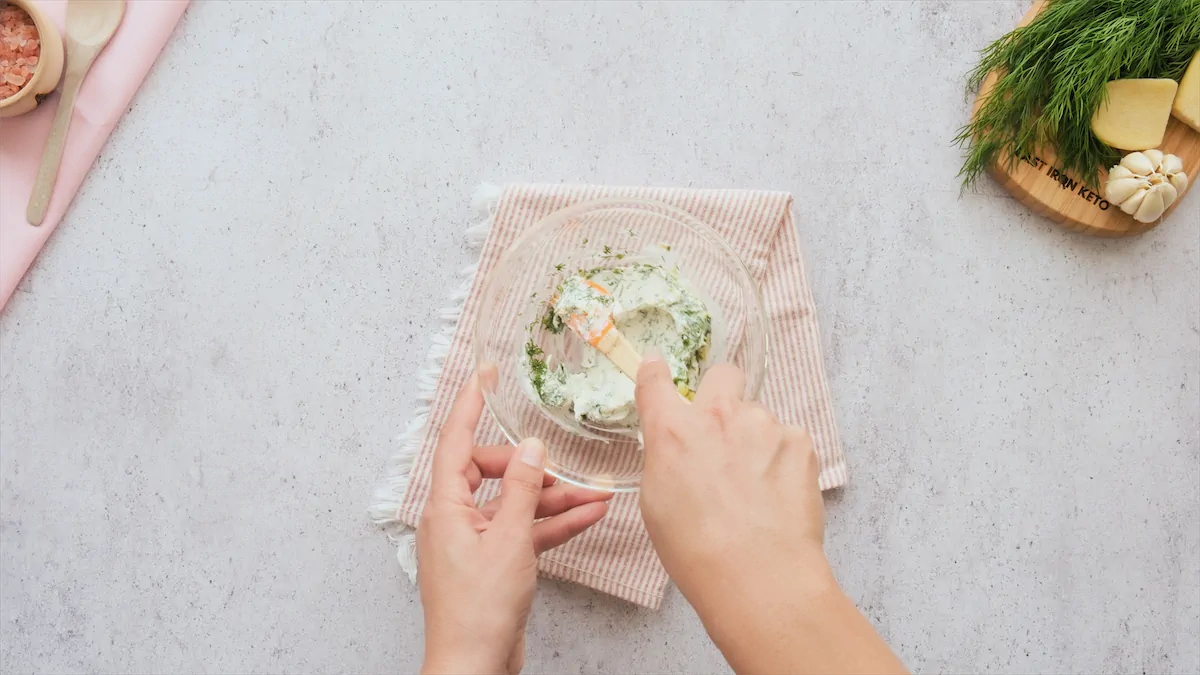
652, 308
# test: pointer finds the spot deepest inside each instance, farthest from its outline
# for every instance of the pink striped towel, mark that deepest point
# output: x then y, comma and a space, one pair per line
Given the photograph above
616, 556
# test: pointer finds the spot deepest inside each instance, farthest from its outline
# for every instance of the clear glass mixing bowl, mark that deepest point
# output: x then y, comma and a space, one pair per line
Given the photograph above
604, 233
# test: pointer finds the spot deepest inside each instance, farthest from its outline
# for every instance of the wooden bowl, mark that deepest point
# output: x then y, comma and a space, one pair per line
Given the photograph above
1039, 183
48, 70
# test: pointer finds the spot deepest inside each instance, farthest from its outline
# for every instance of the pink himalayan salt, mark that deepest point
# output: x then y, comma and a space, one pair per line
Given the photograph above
19, 49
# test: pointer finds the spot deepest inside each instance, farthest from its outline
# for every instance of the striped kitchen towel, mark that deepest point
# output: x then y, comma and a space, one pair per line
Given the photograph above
616, 556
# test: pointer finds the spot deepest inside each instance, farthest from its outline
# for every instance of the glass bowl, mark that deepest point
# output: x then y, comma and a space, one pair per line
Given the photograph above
604, 233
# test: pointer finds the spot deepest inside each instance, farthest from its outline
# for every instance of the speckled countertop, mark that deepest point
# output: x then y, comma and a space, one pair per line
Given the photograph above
202, 375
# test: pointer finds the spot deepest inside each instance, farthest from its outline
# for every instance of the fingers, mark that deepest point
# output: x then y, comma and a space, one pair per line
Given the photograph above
554, 500
560, 529
516, 657
521, 486
800, 437
655, 392
801, 442
489, 376
722, 381
474, 477
457, 439
491, 461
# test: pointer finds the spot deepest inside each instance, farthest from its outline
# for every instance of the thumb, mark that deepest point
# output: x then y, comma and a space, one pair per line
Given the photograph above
521, 486
655, 391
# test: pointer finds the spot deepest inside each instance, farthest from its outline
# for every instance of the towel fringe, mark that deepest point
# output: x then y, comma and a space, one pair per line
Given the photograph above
389, 495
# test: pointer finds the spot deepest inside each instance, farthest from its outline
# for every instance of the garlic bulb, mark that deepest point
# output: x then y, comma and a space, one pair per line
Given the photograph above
1145, 184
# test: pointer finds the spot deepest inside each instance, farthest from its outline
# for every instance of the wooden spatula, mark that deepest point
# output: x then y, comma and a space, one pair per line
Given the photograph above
90, 25
597, 328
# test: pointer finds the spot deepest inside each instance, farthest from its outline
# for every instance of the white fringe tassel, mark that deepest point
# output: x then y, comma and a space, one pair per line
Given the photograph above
385, 504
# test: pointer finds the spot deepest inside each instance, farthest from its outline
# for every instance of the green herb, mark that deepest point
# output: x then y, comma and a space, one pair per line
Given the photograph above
697, 329
537, 375
537, 366
1053, 74
552, 322
540, 376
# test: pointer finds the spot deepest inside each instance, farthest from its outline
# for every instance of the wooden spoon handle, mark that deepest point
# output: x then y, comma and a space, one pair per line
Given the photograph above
47, 173
617, 348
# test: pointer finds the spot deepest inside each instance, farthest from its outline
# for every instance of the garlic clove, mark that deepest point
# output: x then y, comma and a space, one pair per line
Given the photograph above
1179, 180
1131, 203
1145, 184
1138, 163
1171, 164
1169, 193
1151, 207
1121, 189
1119, 171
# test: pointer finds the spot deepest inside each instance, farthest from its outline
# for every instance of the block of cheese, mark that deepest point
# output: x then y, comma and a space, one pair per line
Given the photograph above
1187, 99
1135, 113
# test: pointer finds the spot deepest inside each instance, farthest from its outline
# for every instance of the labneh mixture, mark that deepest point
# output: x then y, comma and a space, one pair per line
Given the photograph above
653, 308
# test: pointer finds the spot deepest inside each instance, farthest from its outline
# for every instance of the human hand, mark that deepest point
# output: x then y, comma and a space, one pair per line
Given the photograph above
729, 495
478, 565
731, 502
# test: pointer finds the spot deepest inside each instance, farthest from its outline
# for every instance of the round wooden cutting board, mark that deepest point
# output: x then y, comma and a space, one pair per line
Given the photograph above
1041, 184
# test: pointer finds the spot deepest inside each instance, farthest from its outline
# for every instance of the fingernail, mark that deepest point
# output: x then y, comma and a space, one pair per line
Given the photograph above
533, 452
651, 355
487, 376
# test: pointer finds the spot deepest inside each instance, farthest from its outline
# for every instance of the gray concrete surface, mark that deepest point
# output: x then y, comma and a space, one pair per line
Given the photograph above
203, 372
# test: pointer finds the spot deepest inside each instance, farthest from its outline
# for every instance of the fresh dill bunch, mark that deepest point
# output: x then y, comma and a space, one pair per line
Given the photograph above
1053, 74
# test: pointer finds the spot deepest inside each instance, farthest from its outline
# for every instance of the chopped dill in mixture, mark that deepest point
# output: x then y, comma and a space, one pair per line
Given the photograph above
652, 307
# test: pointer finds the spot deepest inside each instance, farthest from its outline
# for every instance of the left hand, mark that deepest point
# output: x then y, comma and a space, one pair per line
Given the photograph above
478, 565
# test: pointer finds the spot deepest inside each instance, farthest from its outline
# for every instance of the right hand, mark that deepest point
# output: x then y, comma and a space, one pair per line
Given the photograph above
729, 494
731, 502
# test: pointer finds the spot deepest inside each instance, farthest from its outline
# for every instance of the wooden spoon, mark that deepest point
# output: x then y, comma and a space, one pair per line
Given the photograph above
612, 343
90, 25
596, 327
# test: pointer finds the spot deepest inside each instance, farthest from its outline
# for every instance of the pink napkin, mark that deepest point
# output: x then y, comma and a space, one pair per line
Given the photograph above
616, 555
105, 95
